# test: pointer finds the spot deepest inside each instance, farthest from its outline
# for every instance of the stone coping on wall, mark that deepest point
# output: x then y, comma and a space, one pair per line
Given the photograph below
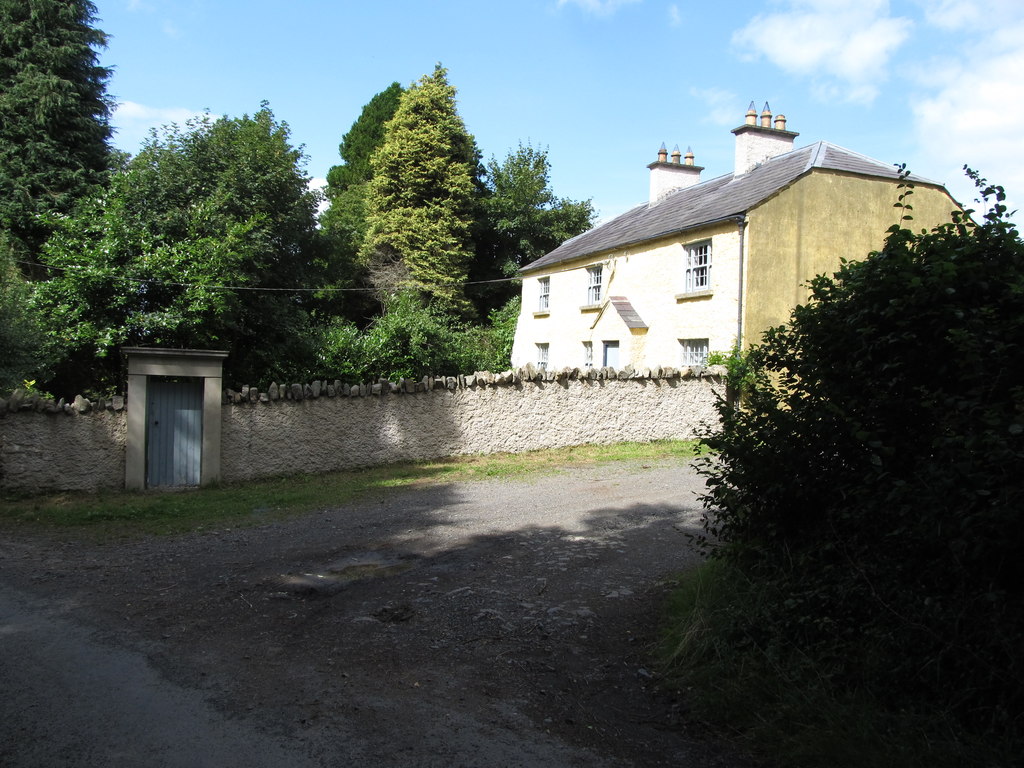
21, 401
477, 380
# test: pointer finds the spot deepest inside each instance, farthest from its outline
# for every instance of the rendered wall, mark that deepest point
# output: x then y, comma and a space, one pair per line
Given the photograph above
57, 451
805, 229
328, 427
651, 276
261, 439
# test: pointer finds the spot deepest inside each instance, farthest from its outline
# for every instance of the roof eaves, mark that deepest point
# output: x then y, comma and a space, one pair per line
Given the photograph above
534, 267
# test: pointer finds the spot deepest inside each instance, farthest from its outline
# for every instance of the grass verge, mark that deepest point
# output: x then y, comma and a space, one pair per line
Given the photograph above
125, 514
781, 705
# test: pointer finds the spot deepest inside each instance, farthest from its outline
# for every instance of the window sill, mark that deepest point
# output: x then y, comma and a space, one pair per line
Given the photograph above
692, 295
541, 313
590, 307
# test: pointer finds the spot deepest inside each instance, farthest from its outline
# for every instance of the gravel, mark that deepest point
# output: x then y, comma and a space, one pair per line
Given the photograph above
486, 623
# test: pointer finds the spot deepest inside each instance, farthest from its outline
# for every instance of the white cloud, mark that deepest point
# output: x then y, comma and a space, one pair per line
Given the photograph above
675, 17
843, 46
132, 121
598, 7
971, 110
720, 107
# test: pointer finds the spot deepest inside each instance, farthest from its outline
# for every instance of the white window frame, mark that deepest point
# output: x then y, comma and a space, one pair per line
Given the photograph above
698, 267
595, 278
605, 347
543, 294
693, 352
588, 354
543, 353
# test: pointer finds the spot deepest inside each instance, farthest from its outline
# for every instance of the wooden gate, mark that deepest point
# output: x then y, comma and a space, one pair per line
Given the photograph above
174, 432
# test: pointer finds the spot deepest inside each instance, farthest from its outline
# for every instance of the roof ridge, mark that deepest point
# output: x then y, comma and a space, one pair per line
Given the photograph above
817, 156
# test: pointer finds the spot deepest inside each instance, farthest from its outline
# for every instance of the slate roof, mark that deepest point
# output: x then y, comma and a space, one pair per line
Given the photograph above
715, 200
625, 309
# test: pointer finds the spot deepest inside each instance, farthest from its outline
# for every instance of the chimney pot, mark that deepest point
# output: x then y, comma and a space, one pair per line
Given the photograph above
780, 122
676, 154
662, 153
751, 118
766, 116
688, 157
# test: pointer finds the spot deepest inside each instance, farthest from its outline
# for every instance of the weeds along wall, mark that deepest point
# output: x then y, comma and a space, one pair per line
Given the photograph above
322, 426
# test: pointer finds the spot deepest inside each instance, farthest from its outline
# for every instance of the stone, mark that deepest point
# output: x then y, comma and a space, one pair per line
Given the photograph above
375, 389
315, 389
264, 397
410, 386
296, 391
245, 391
344, 390
331, 391
451, 383
394, 387
528, 372
82, 405
117, 401
307, 391
272, 391
254, 395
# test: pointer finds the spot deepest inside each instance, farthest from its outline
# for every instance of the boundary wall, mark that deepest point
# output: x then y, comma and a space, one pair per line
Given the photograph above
322, 426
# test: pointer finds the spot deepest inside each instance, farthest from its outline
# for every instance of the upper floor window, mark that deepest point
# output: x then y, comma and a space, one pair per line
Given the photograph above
698, 267
693, 352
595, 275
543, 293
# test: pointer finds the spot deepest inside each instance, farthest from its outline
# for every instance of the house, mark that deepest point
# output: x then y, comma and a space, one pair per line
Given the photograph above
707, 265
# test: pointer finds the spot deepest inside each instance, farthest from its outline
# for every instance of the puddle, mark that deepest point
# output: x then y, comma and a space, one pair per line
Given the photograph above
358, 567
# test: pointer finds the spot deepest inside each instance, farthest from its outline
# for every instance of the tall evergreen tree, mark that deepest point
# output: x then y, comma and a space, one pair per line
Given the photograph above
423, 195
362, 140
55, 116
343, 224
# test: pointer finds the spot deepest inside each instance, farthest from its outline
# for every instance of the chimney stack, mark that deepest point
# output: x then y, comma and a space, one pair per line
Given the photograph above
669, 176
757, 143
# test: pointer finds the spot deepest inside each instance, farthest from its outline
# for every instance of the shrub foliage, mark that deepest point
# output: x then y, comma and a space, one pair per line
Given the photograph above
872, 480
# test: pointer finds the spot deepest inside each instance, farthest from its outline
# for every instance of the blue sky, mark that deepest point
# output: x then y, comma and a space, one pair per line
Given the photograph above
599, 83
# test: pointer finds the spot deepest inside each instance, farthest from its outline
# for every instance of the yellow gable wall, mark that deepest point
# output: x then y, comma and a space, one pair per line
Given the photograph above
808, 227
651, 276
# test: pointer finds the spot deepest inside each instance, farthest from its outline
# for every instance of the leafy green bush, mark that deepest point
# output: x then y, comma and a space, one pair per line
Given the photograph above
872, 481
412, 339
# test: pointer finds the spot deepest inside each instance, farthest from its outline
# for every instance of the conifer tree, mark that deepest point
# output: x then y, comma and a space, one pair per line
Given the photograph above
343, 224
55, 116
420, 206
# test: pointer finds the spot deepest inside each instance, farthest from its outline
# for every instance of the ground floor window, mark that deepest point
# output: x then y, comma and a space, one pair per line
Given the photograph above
611, 354
542, 356
588, 354
693, 352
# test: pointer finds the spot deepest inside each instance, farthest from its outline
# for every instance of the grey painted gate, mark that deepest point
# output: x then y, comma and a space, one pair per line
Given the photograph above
174, 432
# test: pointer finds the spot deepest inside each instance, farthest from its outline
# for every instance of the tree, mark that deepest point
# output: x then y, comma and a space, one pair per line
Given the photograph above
521, 220
55, 126
422, 196
343, 224
870, 482
194, 244
20, 337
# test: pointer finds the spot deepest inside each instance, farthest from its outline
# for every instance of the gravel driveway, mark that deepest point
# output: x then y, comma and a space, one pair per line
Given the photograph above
486, 623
